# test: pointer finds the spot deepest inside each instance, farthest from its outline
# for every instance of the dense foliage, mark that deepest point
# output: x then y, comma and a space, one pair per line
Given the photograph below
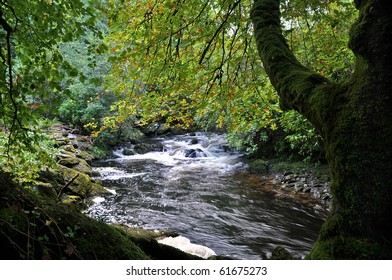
160, 62
32, 70
184, 68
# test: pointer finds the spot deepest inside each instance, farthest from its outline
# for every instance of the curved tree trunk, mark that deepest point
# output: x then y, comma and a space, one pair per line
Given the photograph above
355, 121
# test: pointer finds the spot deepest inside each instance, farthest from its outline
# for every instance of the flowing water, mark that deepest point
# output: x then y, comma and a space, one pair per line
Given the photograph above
200, 189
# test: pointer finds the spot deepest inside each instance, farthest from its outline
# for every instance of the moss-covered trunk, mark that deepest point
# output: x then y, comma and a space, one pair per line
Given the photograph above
355, 120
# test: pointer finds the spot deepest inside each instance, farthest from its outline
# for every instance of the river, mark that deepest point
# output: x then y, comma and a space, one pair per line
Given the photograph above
199, 188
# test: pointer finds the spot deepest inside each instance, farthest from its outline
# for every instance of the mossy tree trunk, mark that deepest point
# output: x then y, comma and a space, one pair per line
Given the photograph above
355, 121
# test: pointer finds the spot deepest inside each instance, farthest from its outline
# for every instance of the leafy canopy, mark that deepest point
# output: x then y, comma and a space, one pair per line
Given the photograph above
31, 66
195, 62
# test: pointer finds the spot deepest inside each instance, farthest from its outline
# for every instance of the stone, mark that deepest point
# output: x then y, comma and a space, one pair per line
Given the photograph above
69, 161
163, 129
185, 245
98, 189
193, 141
280, 253
69, 148
71, 199
83, 167
142, 148
286, 188
81, 185
128, 152
194, 153
86, 156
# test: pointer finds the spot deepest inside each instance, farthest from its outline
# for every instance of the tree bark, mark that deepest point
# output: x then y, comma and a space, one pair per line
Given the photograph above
355, 121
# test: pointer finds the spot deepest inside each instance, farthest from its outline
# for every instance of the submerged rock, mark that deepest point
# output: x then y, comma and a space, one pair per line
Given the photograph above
194, 153
128, 152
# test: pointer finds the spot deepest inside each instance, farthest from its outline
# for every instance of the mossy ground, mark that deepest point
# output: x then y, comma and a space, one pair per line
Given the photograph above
35, 227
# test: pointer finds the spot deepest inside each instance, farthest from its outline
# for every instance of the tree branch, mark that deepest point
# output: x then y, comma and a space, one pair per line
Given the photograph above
218, 30
298, 87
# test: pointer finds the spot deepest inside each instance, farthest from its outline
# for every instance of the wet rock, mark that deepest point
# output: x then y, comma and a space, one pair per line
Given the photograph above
76, 163
151, 130
193, 141
299, 187
302, 184
83, 167
194, 153
307, 190
286, 188
280, 253
142, 148
128, 152
71, 200
95, 173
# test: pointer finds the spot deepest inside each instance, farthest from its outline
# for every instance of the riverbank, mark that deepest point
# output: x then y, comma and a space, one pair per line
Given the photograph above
41, 218
306, 183
49, 220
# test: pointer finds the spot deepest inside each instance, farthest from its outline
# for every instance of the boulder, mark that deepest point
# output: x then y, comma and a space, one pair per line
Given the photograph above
80, 183
128, 152
69, 161
194, 153
185, 245
142, 148
83, 167
281, 253
86, 156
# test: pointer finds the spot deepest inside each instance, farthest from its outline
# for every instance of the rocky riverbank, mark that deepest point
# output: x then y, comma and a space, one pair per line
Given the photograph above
42, 218
307, 183
70, 179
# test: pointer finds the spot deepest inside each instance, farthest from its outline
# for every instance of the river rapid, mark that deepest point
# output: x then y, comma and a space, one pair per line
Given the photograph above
199, 188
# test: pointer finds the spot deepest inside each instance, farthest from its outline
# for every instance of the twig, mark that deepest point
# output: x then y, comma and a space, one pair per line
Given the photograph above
67, 184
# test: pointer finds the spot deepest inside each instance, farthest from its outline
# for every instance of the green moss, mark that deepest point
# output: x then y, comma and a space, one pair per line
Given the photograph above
32, 227
81, 184
92, 239
88, 157
280, 253
69, 161
341, 247
259, 166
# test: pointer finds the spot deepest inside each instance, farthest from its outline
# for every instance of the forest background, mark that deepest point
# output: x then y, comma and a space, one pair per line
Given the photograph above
107, 67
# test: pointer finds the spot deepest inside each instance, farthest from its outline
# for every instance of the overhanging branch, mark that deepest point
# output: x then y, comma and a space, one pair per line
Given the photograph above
298, 87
